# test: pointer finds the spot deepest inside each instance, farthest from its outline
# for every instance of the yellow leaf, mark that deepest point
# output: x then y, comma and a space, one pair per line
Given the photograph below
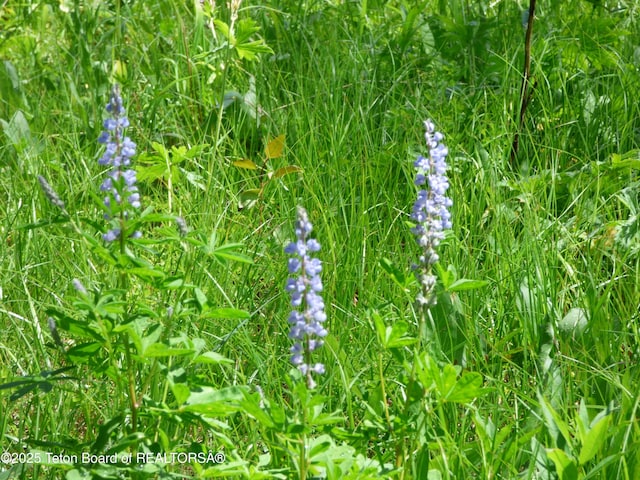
275, 147
246, 164
281, 172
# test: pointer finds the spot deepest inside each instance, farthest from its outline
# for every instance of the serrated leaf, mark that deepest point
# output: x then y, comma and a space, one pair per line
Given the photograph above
160, 149
152, 172
630, 159
246, 164
194, 179
223, 28
275, 147
249, 50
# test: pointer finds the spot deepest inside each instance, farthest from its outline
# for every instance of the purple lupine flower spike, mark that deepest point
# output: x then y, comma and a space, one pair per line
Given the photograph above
121, 182
431, 210
305, 285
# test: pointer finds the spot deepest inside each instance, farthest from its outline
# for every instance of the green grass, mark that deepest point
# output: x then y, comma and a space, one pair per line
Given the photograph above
553, 332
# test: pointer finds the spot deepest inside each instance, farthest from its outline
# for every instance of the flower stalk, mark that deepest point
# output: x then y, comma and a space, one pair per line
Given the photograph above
305, 285
119, 187
430, 212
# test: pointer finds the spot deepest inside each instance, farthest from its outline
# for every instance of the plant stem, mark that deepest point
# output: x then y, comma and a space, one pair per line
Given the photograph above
525, 94
303, 460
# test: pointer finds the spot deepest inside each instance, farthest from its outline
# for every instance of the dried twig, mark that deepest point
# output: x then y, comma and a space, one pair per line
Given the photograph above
525, 90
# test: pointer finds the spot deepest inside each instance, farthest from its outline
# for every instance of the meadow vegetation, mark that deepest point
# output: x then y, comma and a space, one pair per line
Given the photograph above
166, 353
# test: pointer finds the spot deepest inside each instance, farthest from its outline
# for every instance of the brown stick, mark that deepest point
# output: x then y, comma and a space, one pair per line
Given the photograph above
525, 94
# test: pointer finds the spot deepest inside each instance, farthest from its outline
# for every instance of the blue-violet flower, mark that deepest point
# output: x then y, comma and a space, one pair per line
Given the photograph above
121, 181
305, 285
431, 210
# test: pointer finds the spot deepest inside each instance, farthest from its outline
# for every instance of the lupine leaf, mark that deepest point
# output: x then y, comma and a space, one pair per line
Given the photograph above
211, 357
162, 350
465, 284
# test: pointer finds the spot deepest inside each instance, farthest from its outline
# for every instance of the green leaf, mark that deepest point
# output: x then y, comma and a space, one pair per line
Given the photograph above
421, 461
465, 284
78, 328
174, 283
446, 380
17, 130
249, 50
574, 323
254, 406
105, 431
212, 357
246, 48
194, 179
395, 273
145, 273
201, 298
84, 352
249, 198
595, 437
151, 172
181, 392
466, 389
229, 252
630, 159
395, 336
214, 402
162, 350
558, 429
565, 466
224, 312
427, 370
380, 326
